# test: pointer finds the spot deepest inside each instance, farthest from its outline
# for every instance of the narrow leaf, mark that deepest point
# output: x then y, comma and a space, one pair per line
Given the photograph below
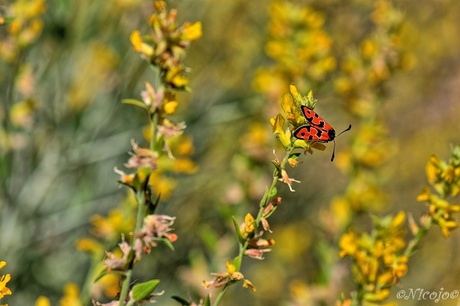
273, 192
143, 290
207, 302
182, 301
134, 102
101, 275
237, 230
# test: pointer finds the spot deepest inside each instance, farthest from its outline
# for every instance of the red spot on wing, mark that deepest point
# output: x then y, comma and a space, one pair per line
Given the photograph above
315, 119
312, 133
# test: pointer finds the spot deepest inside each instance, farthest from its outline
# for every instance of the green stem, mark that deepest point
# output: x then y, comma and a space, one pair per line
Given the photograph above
266, 198
85, 289
221, 294
124, 289
413, 244
140, 198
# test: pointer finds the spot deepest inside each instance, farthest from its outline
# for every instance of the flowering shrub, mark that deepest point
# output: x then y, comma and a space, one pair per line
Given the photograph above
164, 50
193, 238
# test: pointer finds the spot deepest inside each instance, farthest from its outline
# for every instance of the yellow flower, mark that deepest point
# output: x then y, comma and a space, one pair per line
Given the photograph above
378, 296
296, 95
448, 174
399, 219
136, 40
446, 226
192, 31
230, 267
184, 165
348, 244
287, 104
170, 107
42, 301
163, 185
108, 285
385, 279
90, 245
179, 81
112, 226
249, 284
159, 5
424, 195
4, 279
139, 46
432, 169
71, 294
278, 130
368, 48
249, 222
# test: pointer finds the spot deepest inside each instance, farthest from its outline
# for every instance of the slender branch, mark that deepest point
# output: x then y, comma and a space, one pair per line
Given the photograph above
124, 289
266, 198
221, 294
140, 198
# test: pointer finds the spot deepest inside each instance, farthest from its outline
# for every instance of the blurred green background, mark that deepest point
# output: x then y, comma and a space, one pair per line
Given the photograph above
57, 168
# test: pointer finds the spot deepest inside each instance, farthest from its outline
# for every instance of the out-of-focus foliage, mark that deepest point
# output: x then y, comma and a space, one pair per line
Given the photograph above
65, 66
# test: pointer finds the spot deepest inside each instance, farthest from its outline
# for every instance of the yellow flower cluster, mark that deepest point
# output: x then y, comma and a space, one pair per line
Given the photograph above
299, 46
4, 279
444, 177
24, 28
290, 104
230, 276
379, 55
70, 298
166, 44
363, 73
378, 257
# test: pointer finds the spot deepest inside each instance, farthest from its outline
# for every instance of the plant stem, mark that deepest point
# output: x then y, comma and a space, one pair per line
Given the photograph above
85, 289
140, 198
413, 244
221, 294
266, 198
124, 289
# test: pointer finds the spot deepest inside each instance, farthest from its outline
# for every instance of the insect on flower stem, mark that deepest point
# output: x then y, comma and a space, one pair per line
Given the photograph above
317, 129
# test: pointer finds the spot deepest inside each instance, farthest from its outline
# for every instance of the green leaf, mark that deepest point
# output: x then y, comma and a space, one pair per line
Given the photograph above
236, 262
135, 103
207, 302
294, 156
104, 272
159, 144
237, 230
153, 205
101, 274
273, 192
182, 301
143, 290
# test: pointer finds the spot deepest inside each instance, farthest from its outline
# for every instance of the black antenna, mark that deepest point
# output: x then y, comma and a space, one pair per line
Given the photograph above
333, 151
